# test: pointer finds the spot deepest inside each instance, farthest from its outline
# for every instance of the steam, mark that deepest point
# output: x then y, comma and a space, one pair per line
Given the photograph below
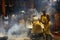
20, 29
17, 29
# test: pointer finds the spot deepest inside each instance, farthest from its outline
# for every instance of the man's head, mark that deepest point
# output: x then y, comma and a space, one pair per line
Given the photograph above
44, 12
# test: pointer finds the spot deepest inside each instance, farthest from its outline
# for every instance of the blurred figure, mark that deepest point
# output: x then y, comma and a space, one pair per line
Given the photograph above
45, 17
37, 29
47, 24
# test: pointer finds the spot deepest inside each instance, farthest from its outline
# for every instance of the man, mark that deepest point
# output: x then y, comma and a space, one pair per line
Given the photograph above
47, 24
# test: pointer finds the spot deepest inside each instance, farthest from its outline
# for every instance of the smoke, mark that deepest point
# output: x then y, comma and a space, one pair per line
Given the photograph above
17, 29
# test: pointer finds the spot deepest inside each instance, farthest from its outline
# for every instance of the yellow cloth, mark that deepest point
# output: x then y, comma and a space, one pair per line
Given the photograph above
44, 19
37, 28
47, 28
47, 24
